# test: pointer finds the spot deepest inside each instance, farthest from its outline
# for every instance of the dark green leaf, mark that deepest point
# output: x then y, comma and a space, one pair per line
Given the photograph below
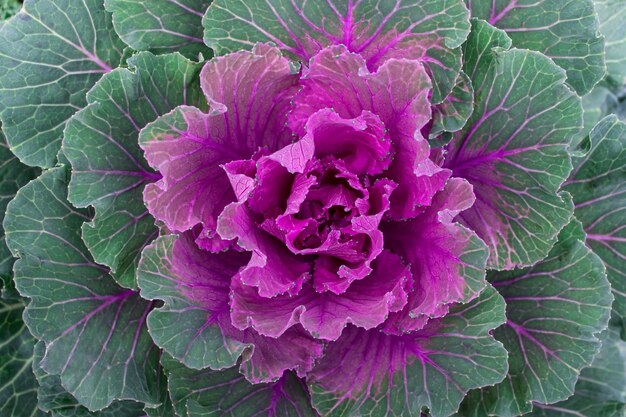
108, 169
95, 332
18, 386
564, 30
598, 185
514, 148
601, 388
161, 26
13, 175
227, 394
555, 310
51, 53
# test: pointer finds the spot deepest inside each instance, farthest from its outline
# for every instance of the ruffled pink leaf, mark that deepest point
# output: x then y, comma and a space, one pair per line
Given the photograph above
447, 260
272, 269
188, 146
397, 94
366, 304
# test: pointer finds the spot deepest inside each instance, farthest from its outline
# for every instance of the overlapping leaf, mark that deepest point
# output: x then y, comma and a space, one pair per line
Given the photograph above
370, 374
18, 387
451, 115
161, 26
55, 400
108, 169
601, 388
95, 332
612, 14
598, 185
51, 53
376, 29
564, 30
514, 148
13, 175
555, 310
227, 394
183, 328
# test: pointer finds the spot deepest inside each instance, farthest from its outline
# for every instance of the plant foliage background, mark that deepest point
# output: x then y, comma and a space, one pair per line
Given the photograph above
90, 322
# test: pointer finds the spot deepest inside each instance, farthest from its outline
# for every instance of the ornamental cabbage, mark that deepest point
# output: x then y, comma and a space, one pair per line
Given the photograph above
320, 208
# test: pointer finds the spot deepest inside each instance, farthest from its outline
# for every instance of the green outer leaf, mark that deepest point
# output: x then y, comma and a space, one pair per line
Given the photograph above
514, 148
161, 26
451, 115
601, 388
555, 310
51, 53
302, 28
108, 169
180, 327
598, 185
13, 175
95, 331
227, 393
456, 354
612, 14
54, 399
18, 386
564, 30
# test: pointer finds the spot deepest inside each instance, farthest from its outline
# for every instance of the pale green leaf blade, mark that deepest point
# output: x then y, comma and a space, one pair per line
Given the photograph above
161, 26
51, 53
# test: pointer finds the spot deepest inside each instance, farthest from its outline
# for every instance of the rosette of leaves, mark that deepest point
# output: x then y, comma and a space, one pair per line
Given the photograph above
357, 208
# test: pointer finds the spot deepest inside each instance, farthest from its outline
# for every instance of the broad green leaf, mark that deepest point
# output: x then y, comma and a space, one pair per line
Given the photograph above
13, 175
18, 386
451, 115
598, 185
564, 30
376, 29
226, 393
108, 169
370, 374
54, 399
95, 331
51, 53
514, 148
612, 14
183, 328
601, 388
161, 26
555, 310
